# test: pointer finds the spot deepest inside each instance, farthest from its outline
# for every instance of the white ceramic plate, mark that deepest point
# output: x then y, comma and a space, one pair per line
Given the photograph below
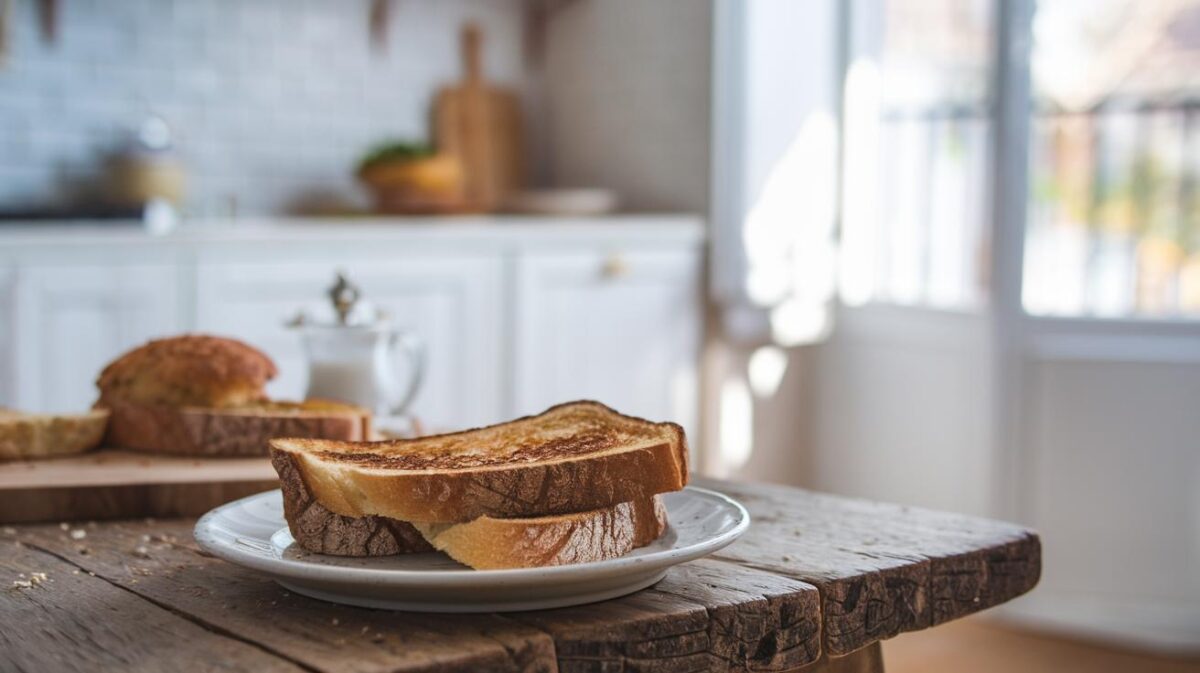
252, 532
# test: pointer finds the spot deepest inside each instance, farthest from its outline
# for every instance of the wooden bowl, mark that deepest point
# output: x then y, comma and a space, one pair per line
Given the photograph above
416, 186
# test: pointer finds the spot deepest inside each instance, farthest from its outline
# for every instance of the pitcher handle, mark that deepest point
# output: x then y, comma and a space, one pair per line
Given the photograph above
414, 350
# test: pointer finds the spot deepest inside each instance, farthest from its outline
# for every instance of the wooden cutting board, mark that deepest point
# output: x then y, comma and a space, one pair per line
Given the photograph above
481, 125
111, 483
118, 484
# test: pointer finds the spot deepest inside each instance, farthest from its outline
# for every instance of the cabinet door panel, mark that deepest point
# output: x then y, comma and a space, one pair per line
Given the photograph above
621, 328
8, 337
73, 320
452, 303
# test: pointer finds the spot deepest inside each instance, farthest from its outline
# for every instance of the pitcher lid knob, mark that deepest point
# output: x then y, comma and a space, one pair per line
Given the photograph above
344, 296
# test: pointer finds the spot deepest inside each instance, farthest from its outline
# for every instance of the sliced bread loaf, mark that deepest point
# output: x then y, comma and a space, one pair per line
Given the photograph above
25, 436
238, 431
574, 457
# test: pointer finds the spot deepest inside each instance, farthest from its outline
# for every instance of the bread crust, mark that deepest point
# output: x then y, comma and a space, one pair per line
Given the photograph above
319, 530
519, 489
194, 431
483, 543
488, 543
26, 436
190, 370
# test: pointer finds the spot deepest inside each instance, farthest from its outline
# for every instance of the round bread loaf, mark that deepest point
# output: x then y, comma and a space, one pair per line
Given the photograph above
191, 370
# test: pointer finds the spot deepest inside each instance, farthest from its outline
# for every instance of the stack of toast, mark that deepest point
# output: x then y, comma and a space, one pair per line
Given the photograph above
577, 483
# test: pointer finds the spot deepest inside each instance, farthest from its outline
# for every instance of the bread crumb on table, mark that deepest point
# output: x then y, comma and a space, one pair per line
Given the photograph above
35, 580
78, 534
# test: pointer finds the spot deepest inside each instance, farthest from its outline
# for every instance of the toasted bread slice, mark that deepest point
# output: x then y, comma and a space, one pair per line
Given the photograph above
24, 436
574, 457
236, 431
488, 543
319, 530
483, 543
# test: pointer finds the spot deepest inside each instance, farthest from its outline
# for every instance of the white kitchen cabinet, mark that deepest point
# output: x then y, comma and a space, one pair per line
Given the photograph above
517, 313
72, 320
620, 326
8, 337
452, 302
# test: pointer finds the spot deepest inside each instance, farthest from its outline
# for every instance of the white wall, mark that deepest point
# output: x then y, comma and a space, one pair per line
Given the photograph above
904, 409
1110, 480
782, 424
627, 96
272, 100
775, 87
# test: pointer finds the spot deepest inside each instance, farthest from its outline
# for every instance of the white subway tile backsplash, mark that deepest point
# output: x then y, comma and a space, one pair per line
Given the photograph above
270, 99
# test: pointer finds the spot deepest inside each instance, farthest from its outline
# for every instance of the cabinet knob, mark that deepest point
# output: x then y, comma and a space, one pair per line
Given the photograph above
614, 267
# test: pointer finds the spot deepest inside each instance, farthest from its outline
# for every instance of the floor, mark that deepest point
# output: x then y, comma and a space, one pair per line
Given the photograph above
978, 646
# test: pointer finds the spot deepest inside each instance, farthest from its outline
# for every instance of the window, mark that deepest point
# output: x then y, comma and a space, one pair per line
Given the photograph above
1114, 214
918, 126
1102, 213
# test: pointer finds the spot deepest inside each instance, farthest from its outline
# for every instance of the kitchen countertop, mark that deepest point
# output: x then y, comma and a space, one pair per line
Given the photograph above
490, 229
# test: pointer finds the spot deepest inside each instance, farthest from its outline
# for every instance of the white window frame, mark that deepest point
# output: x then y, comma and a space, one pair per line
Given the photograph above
1016, 334
1019, 335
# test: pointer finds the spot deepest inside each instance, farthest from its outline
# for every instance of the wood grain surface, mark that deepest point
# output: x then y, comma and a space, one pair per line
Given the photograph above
73, 621
813, 586
117, 467
118, 502
113, 483
882, 569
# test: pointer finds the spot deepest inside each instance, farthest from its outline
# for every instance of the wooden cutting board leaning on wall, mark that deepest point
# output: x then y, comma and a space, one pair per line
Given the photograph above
481, 125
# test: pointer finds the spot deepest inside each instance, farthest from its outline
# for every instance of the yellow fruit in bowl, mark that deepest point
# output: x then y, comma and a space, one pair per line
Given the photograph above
407, 180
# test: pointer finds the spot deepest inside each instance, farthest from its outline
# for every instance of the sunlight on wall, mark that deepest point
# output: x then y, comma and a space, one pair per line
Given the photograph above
859, 244
796, 322
736, 423
765, 370
788, 235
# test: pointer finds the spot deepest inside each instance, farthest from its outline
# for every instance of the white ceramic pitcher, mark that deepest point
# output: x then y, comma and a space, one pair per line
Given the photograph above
357, 357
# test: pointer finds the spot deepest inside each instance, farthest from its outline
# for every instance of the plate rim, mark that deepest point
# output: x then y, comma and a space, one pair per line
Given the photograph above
302, 570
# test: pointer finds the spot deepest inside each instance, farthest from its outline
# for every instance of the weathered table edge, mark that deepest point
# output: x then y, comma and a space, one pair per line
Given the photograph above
997, 573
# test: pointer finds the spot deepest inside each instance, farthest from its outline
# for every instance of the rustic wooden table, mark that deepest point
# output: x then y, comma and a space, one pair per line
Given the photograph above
814, 585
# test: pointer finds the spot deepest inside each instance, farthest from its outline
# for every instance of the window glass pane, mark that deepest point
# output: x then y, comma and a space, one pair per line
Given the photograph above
1114, 215
917, 125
